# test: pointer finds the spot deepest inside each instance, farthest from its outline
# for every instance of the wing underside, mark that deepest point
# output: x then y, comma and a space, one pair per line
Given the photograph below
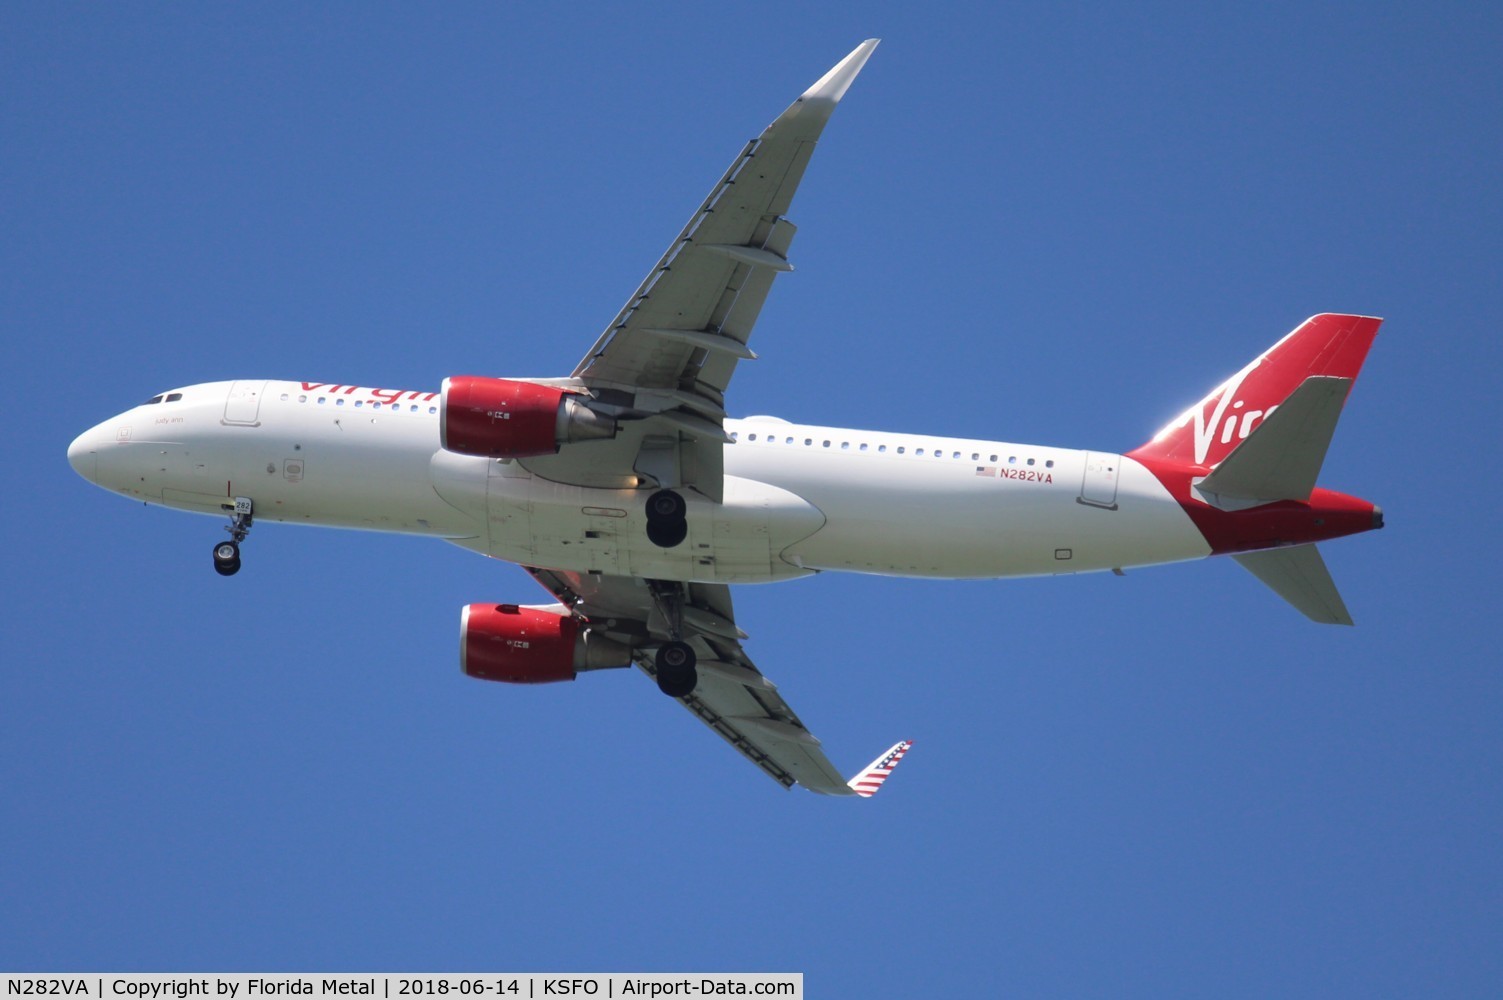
687, 324
732, 696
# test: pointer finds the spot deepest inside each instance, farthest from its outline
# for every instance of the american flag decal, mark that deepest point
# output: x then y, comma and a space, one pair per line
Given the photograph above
871, 777
986, 470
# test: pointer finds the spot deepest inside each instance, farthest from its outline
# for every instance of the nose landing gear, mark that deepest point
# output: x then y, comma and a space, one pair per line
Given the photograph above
227, 554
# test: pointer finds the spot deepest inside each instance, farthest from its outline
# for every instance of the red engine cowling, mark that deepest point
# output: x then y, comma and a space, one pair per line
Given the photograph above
505, 642
504, 418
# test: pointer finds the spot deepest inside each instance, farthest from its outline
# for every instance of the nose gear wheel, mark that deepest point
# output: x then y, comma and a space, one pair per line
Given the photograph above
227, 554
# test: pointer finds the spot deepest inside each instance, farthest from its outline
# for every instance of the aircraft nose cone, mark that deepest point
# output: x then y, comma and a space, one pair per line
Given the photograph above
1377, 516
83, 456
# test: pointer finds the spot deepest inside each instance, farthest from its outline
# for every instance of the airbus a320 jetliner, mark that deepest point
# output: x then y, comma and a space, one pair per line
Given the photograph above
630, 495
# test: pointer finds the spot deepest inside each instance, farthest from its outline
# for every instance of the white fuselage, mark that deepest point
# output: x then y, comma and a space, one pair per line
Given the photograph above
798, 499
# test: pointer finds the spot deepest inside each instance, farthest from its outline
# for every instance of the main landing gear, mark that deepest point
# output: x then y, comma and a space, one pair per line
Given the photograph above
666, 523
676, 673
675, 659
227, 554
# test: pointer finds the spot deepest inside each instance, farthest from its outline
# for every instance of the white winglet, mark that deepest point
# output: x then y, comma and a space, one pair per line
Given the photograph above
871, 777
831, 87
806, 117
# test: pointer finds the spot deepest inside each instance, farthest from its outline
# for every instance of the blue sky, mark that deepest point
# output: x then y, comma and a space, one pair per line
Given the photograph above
1056, 224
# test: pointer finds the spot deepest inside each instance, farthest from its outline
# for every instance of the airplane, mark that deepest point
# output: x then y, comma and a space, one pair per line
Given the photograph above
627, 491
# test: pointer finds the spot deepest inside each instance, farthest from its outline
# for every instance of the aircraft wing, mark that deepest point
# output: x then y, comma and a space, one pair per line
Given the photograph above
732, 696
669, 354
689, 321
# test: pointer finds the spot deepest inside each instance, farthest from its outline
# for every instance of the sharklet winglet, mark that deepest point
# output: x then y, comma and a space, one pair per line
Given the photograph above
869, 779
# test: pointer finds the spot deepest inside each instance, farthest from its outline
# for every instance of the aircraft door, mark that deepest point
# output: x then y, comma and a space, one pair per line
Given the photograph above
1099, 486
243, 406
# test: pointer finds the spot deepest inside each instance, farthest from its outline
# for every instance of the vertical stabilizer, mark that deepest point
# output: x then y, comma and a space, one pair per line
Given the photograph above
1327, 345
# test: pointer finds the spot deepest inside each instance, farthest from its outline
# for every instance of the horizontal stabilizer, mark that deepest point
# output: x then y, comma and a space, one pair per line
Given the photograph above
1281, 458
1299, 576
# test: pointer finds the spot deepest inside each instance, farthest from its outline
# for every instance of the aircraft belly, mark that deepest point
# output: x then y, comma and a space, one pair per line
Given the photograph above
560, 526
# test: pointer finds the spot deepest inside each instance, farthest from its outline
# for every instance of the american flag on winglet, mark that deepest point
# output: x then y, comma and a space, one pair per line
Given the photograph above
868, 781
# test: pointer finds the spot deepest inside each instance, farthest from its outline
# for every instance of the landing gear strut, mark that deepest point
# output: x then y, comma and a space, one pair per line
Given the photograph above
666, 523
227, 554
675, 659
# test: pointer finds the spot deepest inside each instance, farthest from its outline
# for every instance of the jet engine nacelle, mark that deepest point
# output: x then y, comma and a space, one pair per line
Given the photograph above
504, 418
521, 645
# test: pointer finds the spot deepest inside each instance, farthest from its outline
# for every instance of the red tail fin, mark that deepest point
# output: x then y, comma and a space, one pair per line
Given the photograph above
1203, 435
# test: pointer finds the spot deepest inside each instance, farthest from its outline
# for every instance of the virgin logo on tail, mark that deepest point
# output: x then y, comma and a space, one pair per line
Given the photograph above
1228, 424
1235, 428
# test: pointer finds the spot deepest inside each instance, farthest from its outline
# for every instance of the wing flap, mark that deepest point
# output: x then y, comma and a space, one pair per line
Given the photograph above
759, 724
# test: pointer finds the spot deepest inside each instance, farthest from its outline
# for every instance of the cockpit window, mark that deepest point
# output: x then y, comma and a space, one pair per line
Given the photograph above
173, 397
154, 399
